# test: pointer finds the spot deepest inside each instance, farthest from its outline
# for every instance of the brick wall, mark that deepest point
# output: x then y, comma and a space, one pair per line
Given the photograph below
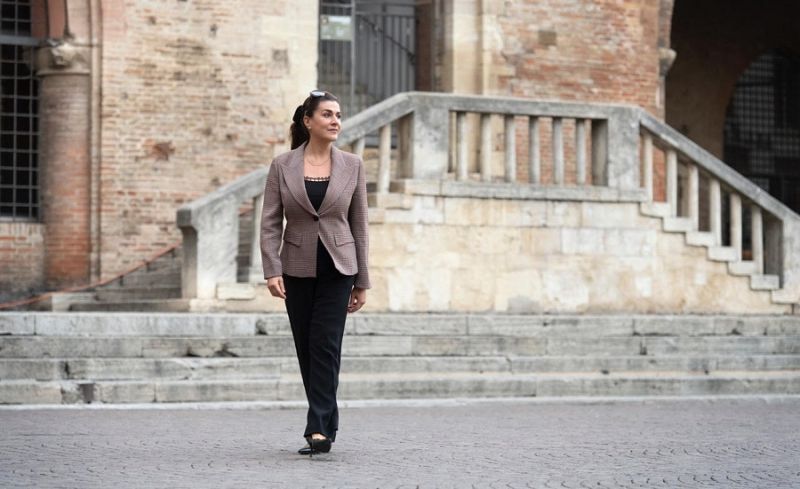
64, 150
21, 258
585, 50
195, 94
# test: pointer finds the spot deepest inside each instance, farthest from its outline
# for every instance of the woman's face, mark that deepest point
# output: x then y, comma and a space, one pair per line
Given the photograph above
325, 123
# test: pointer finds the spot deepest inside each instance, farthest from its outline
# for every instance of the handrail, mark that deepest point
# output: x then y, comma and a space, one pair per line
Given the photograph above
210, 228
716, 167
244, 188
375, 117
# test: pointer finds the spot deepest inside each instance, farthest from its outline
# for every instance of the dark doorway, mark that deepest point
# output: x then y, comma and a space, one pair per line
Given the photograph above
762, 126
368, 50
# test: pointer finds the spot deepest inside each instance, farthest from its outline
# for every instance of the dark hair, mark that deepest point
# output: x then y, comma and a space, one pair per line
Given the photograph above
298, 129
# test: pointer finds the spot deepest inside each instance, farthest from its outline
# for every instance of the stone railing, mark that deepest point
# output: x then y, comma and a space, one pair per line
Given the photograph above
438, 136
210, 228
602, 139
774, 229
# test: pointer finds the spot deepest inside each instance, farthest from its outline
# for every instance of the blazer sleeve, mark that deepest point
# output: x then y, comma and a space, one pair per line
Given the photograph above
359, 219
272, 224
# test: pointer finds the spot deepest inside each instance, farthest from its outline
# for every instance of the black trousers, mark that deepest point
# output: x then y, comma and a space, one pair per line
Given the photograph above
317, 309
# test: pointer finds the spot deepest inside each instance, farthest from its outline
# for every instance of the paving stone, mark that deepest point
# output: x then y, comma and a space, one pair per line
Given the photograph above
652, 443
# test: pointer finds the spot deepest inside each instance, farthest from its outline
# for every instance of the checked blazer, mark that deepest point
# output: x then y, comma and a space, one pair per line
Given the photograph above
341, 222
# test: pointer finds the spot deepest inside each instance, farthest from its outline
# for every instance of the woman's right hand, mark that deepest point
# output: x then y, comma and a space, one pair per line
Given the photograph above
275, 286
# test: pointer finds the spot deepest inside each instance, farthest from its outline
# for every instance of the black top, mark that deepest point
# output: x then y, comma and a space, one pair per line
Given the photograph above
316, 190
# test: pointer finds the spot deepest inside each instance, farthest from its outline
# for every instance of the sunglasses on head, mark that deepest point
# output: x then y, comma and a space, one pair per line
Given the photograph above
317, 93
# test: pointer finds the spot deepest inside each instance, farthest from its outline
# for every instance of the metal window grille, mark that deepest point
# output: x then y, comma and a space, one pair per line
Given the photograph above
19, 124
762, 126
367, 50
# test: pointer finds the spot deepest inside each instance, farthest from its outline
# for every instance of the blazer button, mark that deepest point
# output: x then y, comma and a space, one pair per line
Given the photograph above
316, 218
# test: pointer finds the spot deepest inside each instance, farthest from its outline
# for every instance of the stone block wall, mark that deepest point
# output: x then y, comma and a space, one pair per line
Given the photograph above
468, 254
195, 94
437, 253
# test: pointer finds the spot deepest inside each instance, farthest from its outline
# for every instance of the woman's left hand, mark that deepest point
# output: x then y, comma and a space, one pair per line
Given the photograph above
358, 297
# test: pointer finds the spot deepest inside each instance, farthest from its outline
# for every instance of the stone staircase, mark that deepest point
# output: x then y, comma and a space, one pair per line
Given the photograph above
714, 251
139, 357
156, 286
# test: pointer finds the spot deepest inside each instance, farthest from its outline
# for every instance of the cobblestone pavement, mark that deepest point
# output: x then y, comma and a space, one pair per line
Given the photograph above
730, 443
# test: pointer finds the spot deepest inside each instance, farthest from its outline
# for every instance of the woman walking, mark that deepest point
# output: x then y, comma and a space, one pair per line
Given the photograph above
318, 264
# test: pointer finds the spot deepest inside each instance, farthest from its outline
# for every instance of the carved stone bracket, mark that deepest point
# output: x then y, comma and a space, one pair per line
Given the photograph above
62, 57
666, 57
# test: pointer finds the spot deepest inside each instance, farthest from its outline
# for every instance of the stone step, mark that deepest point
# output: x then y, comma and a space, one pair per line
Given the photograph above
383, 386
193, 324
158, 305
678, 224
170, 277
119, 294
398, 345
722, 253
655, 209
742, 268
765, 282
86, 369
700, 238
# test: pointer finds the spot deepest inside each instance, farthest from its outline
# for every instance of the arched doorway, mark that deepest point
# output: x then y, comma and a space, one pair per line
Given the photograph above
762, 126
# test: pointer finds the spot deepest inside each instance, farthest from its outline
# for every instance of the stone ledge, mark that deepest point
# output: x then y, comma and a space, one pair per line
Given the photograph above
516, 191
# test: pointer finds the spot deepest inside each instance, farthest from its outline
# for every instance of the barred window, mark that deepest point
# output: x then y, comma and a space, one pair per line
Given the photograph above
19, 124
762, 126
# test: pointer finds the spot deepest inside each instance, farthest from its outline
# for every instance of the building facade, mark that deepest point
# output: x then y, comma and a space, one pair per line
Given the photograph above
117, 112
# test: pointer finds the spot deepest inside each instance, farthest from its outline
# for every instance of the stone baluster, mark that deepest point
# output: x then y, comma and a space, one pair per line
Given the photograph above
580, 150
358, 147
534, 153
672, 182
511, 149
486, 147
757, 237
648, 166
600, 151
736, 224
715, 209
384, 164
461, 146
558, 150
256, 272
694, 196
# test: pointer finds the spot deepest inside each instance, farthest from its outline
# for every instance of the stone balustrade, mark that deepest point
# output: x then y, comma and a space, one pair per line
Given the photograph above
210, 228
446, 145
774, 229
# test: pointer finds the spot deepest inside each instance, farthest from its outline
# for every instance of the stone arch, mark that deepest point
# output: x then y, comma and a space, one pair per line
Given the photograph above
761, 137
714, 42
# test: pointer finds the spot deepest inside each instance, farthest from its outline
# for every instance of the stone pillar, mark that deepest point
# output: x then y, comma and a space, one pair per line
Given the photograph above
64, 162
428, 143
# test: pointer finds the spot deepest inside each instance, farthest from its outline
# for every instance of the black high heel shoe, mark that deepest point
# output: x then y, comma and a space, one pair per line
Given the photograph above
315, 445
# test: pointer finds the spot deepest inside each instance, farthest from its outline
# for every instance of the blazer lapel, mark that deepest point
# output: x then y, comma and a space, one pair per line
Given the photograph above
295, 179
341, 173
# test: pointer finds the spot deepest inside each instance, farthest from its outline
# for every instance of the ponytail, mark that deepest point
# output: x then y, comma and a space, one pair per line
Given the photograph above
298, 129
